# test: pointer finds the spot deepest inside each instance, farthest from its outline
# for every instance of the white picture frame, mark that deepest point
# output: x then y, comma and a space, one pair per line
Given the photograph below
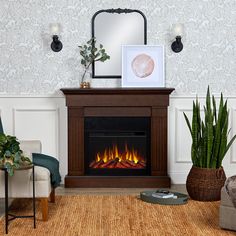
143, 66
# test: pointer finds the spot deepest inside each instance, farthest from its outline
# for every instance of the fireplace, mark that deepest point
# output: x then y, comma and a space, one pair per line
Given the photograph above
117, 137
117, 146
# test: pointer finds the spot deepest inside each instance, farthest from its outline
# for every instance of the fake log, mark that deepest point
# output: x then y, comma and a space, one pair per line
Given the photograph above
115, 163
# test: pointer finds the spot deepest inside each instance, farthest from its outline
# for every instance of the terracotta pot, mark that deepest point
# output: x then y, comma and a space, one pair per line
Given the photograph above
204, 184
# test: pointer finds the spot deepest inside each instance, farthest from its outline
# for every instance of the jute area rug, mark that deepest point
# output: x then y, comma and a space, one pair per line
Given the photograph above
89, 215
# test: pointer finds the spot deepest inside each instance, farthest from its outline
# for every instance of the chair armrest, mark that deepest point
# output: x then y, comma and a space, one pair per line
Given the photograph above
30, 146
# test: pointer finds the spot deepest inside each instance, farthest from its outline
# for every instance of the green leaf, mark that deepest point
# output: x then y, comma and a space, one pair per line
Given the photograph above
17, 156
188, 123
229, 145
7, 153
3, 139
208, 100
217, 139
214, 108
194, 133
10, 171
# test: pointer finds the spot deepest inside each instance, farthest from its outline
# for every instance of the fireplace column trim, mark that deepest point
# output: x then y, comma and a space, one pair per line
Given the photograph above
159, 141
75, 141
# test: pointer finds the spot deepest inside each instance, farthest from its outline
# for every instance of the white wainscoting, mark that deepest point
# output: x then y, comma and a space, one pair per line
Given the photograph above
38, 118
30, 119
45, 118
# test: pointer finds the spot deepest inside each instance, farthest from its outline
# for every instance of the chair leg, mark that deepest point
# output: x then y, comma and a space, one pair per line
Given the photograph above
44, 208
52, 196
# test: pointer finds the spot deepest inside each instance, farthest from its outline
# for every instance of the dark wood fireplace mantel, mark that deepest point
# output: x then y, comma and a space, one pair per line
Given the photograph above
117, 102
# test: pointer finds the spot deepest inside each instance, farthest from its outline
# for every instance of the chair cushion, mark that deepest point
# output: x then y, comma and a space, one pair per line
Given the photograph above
30, 146
20, 185
41, 173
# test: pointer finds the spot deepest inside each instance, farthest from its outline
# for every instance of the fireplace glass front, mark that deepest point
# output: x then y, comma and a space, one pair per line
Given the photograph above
117, 146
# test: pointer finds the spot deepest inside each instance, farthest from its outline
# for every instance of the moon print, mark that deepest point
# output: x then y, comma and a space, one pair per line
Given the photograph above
142, 65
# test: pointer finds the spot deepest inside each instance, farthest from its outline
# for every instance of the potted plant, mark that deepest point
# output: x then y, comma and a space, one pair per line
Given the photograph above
11, 156
209, 146
90, 53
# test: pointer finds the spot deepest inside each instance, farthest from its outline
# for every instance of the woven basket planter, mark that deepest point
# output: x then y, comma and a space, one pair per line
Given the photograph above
205, 184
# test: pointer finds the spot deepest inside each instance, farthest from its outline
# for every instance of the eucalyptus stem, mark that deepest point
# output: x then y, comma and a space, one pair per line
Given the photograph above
90, 53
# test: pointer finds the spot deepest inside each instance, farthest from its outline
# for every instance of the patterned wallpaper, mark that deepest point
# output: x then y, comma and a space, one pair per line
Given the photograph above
28, 65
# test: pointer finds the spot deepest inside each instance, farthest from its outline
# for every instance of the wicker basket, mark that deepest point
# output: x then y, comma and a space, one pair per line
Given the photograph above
204, 184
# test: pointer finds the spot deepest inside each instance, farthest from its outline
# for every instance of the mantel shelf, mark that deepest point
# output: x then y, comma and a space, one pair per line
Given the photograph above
77, 91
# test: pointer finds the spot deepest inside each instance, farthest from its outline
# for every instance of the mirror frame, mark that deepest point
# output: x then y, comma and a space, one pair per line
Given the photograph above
118, 11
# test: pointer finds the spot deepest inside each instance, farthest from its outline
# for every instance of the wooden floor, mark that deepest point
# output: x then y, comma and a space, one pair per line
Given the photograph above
101, 191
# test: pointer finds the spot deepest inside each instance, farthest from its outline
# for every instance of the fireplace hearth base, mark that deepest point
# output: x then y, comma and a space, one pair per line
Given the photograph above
120, 102
117, 181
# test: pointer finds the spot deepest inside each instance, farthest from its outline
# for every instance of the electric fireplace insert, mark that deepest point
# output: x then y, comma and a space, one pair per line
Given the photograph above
118, 146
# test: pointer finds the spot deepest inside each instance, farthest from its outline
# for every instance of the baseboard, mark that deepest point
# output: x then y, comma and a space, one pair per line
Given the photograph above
178, 177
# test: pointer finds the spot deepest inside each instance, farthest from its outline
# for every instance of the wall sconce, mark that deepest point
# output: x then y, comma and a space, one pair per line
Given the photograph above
177, 45
56, 44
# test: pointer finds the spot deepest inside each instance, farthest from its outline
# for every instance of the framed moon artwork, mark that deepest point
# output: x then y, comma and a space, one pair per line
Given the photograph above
143, 66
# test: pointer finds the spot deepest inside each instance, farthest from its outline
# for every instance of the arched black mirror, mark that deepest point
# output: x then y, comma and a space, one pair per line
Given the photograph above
114, 28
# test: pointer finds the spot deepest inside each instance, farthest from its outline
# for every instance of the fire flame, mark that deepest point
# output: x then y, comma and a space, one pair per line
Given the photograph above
111, 154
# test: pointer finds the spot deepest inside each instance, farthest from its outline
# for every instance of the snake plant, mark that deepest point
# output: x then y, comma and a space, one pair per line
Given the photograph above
11, 156
209, 136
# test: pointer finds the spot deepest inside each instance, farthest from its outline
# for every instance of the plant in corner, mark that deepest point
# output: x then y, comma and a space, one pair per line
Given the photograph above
209, 147
90, 53
11, 156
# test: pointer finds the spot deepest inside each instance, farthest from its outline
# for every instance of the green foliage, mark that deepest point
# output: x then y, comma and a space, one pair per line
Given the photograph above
90, 53
11, 156
209, 136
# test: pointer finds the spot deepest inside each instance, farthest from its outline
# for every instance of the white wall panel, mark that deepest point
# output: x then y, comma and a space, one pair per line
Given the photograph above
39, 124
183, 139
39, 117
